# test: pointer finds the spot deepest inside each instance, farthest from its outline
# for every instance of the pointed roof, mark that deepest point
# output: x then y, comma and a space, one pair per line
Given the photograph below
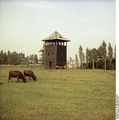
56, 36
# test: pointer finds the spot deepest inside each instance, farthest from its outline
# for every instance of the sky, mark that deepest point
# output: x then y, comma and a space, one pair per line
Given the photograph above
24, 23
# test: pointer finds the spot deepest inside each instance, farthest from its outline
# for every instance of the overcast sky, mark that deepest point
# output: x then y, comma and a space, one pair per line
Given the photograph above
23, 24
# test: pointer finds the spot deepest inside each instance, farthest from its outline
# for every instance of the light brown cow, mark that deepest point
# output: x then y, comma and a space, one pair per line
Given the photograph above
29, 73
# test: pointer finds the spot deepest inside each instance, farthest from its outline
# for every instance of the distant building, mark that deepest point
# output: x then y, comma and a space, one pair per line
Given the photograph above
55, 51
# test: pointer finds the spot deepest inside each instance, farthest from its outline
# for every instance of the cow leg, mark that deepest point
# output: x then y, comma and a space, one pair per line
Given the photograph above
9, 78
25, 76
24, 81
18, 80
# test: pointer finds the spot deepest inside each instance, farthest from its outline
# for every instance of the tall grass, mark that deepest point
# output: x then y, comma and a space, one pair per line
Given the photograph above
58, 95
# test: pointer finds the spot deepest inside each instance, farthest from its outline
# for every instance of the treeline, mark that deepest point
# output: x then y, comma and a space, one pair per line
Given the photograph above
103, 57
14, 58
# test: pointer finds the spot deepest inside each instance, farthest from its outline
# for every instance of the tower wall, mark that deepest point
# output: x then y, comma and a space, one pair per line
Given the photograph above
50, 56
61, 55
55, 56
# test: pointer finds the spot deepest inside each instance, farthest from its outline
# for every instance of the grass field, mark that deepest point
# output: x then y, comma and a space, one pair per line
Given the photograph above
58, 95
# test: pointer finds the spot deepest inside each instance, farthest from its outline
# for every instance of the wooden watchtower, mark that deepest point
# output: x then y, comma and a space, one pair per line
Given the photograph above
55, 51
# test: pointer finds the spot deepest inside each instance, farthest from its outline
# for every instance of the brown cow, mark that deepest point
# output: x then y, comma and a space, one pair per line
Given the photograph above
16, 74
29, 73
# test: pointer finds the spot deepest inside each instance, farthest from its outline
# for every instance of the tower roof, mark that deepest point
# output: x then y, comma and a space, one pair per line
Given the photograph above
56, 36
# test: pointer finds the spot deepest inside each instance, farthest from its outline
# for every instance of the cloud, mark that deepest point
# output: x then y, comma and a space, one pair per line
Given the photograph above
38, 4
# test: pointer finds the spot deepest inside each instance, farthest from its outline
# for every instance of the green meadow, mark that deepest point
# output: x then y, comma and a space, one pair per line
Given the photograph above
70, 94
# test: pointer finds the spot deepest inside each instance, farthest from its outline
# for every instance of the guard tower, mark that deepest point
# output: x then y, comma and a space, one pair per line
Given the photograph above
55, 51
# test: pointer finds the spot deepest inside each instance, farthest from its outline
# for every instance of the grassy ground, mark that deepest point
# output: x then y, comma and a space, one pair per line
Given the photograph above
58, 95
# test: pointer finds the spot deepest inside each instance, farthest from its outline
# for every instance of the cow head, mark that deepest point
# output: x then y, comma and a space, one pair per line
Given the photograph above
34, 78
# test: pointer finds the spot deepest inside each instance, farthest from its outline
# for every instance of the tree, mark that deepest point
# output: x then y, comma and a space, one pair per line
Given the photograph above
15, 58
94, 55
91, 57
31, 58
5, 58
77, 61
21, 58
102, 54
41, 60
104, 50
81, 56
114, 59
12, 58
1, 57
36, 59
110, 56
110, 51
99, 52
8, 57
87, 57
